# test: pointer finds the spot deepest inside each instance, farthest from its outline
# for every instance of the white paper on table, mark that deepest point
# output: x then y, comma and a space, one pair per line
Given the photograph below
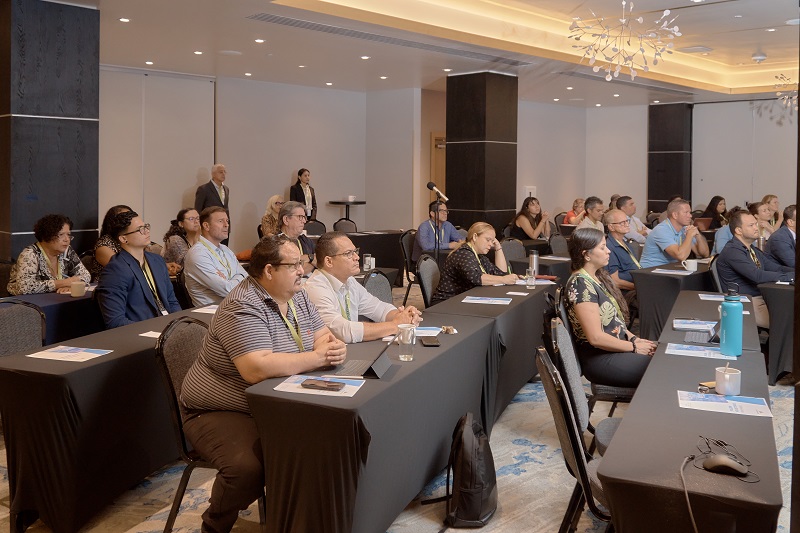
694, 350
153, 334
720, 297
739, 405
555, 257
420, 331
486, 300
292, 384
673, 272
91, 288
538, 282
518, 293
209, 309
69, 353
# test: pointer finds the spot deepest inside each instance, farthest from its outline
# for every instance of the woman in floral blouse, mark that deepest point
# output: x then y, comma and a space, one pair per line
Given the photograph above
609, 354
49, 265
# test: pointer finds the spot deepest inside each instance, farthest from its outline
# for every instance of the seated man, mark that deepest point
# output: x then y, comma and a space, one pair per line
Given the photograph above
340, 299
266, 327
210, 268
449, 237
742, 263
674, 239
292, 220
637, 230
593, 214
622, 260
135, 284
781, 245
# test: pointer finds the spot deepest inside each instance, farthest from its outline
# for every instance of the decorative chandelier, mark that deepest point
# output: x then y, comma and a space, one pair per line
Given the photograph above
618, 44
787, 92
783, 108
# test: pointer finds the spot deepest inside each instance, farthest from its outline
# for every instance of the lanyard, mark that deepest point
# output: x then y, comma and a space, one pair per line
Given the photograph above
224, 263
50, 264
754, 257
586, 276
295, 332
477, 258
148, 275
346, 308
629, 253
441, 230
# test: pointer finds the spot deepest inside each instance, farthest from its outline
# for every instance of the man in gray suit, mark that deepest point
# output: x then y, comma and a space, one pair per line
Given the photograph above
781, 244
214, 193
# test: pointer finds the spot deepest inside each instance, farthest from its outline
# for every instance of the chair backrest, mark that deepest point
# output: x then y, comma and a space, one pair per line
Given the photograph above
558, 244
377, 284
559, 218
635, 248
554, 229
507, 232
260, 232
5, 277
428, 276
407, 246
463, 233
22, 326
345, 225
315, 227
561, 307
567, 363
177, 349
513, 249
180, 291
154, 248
712, 266
652, 217
87, 258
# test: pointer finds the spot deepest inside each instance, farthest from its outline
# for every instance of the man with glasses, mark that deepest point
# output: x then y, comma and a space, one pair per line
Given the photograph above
340, 299
292, 219
210, 268
622, 259
266, 327
449, 237
135, 284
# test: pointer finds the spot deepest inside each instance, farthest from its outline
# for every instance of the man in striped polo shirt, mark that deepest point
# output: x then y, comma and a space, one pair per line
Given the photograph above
266, 327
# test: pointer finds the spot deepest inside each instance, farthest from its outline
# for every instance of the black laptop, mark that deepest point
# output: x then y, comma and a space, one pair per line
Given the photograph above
372, 368
710, 336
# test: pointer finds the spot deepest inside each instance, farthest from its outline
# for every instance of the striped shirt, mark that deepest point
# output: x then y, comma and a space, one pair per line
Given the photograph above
247, 320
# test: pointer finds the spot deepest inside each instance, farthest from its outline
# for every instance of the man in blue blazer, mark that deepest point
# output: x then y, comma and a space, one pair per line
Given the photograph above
781, 244
135, 284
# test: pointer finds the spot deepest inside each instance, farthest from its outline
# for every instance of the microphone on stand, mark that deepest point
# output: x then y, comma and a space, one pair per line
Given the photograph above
432, 186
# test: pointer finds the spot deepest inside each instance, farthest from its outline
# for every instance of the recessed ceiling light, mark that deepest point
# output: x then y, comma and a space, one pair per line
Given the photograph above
656, 101
247, 74
259, 41
148, 62
124, 20
198, 53
328, 83
364, 57
447, 69
616, 96
569, 88
301, 66
556, 99
771, 29
696, 1
737, 16
598, 105
383, 77
704, 54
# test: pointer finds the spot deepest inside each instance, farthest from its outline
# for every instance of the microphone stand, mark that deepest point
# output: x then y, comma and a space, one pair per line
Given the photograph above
436, 239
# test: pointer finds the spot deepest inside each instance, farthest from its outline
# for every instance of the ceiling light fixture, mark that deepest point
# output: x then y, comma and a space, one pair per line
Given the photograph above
770, 29
248, 74
383, 77
124, 20
301, 66
616, 96
759, 57
787, 91
364, 57
447, 69
609, 40
569, 88
598, 105
556, 99
198, 53
737, 16
259, 41
328, 83
148, 62
656, 101
784, 107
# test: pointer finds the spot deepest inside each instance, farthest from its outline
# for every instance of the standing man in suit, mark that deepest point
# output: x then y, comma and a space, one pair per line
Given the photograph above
135, 284
781, 245
214, 193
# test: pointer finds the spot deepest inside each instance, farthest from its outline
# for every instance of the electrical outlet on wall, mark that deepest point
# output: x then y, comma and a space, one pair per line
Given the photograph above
529, 190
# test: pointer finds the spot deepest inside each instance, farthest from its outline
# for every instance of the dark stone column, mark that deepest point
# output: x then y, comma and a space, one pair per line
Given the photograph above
49, 89
482, 148
669, 154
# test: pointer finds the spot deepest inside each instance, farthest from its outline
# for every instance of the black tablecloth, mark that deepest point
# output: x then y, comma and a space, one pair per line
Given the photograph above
353, 464
384, 247
548, 267
657, 292
639, 472
780, 302
78, 435
67, 317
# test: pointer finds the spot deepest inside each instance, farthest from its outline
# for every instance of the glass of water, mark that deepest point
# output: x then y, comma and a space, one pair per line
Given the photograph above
366, 262
406, 337
530, 278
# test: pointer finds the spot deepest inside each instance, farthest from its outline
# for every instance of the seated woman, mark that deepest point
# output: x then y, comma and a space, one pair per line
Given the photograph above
764, 217
777, 215
468, 267
574, 216
530, 222
49, 265
716, 212
106, 246
183, 233
609, 354
269, 222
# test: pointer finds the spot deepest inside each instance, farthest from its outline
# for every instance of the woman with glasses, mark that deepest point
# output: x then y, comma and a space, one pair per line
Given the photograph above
269, 222
49, 265
183, 233
531, 222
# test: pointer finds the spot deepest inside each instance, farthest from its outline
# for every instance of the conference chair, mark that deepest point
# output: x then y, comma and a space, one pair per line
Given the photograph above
260, 232
5, 277
463, 233
512, 249
599, 393
315, 227
635, 248
554, 229
712, 266
345, 225
428, 276
652, 219
180, 291
154, 248
377, 284
87, 258
559, 246
22, 326
579, 462
407, 246
507, 232
176, 350
559, 218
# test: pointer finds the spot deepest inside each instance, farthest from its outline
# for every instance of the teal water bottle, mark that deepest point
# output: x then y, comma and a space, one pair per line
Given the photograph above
731, 324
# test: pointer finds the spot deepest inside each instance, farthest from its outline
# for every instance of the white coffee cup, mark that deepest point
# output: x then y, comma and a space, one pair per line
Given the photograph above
77, 289
729, 381
351, 198
690, 265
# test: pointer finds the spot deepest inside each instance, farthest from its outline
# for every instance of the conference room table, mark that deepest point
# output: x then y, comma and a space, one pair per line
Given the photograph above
780, 303
67, 317
548, 266
640, 471
656, 293
338, 464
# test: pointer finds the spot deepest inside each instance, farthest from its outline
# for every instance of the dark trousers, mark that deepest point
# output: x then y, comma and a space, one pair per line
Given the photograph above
229, 440
612, 369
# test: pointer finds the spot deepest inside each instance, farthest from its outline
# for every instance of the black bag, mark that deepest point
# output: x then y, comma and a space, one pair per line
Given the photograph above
473, 500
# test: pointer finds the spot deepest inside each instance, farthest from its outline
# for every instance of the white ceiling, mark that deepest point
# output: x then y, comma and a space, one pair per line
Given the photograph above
168, 32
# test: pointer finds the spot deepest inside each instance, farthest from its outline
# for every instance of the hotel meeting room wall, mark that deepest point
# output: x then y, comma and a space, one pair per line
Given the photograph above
267, 131
742, 156
433, 120
156, 143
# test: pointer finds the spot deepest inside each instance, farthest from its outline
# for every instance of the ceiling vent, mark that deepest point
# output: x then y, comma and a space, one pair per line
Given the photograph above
694, 49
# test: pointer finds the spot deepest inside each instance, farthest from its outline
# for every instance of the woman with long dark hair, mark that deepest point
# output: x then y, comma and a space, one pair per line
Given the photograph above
531, 222
609, 353
302, 192
716, 212
183, 233
106, 246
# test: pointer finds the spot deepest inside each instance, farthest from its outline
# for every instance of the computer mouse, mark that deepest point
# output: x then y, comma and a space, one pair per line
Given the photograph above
724, 464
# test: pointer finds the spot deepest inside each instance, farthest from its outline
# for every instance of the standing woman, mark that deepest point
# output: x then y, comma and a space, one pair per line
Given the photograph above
269, 222
763, 215
777, 216
304, 193
50, 264
468, 266
106, 246
716, 212
183, 233
530, 222
608, 352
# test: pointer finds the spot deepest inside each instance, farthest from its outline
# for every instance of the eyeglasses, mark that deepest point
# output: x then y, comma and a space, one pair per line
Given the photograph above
622, 222
69, 236
192, 219
144, 230
445, 211
279, 203
301, 217
349, 253
293, 267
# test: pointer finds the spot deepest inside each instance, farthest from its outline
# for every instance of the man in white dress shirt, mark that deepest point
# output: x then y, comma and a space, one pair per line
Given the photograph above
637, 231
340, 299
210, 268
